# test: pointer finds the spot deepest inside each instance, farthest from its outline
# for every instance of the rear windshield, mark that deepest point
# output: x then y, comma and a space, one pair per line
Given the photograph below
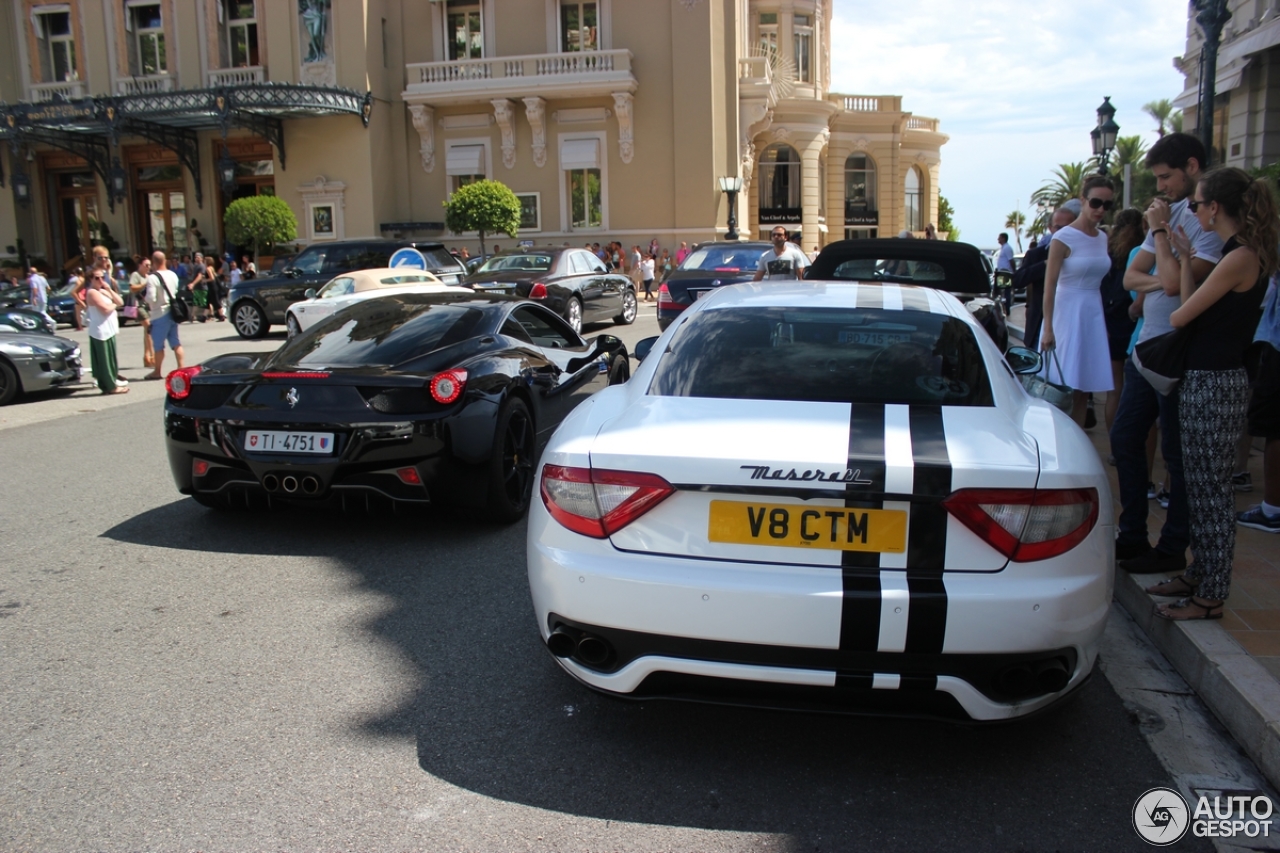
891, 269
379, 332
440, 259
518, 263
830, 355
724, 258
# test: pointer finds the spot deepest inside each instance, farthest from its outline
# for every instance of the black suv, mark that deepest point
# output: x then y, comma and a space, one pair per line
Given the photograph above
256, 304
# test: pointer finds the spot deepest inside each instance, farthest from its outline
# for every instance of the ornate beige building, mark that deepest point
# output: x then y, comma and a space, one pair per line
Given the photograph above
135, 122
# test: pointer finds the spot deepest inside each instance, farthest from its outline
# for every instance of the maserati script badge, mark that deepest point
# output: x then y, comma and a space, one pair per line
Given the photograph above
849, 475
292, 397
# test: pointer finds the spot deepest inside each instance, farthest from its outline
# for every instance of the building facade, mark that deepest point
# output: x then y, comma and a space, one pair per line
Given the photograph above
1246, 107
135, 122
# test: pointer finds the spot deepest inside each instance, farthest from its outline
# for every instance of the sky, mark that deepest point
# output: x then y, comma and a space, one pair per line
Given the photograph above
1015, 85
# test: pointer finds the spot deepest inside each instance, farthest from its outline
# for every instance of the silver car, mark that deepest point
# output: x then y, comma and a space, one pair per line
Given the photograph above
33, 361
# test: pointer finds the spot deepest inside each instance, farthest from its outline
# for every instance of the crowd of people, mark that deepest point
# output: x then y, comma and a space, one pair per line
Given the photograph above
1202, 259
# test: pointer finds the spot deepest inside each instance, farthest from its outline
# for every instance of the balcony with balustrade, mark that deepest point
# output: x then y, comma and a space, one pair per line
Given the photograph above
243, 76
150, 84
580, 74
40, 93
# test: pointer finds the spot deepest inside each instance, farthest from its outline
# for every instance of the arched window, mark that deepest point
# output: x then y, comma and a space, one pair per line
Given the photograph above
913, 211
780, 184
859, 184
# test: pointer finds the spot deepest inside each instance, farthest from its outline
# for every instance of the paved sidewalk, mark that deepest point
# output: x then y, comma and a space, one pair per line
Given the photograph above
1234, 664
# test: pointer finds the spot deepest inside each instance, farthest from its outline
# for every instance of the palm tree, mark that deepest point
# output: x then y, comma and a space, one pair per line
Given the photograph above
1066, 183
1016, 221
1160, 111
1130, 151
1175, 121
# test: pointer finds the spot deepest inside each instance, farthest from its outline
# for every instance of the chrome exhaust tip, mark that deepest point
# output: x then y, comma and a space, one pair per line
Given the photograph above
561, 643
270, 482
593, 651
289, 484
310, 485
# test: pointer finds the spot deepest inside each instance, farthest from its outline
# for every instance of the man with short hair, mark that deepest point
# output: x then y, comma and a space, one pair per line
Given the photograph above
1030, 275
783, 262
1004, 255
1175, 161
161, 290
39, 287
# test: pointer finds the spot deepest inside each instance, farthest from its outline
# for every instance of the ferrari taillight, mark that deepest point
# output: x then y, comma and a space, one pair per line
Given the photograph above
178, 382
448, 386
598, 503
1027, 524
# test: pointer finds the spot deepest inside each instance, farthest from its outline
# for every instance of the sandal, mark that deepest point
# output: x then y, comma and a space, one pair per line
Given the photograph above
1175, 587
120, 389
1187, 609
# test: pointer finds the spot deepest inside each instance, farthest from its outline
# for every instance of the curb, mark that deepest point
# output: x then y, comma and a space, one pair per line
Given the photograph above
1240, 691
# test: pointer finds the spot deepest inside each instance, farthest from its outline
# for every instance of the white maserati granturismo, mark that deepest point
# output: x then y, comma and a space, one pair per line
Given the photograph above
825, 495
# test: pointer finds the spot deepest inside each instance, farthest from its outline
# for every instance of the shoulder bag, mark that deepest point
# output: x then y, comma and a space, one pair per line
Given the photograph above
178, 310
1163, 359
1057, 393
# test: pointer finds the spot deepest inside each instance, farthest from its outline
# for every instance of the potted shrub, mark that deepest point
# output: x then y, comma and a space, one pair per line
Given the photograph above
260, 221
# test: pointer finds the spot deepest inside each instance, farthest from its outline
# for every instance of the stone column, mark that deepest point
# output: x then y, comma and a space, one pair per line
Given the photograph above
811, 144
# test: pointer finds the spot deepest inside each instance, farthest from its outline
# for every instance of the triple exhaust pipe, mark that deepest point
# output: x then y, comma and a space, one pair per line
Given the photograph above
290, 484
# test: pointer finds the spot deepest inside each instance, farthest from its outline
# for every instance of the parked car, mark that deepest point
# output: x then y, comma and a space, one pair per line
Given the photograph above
709, 265
574, 283
26, 319
35, 361
415, 398
256, 304
957, 268
844, 500
352, 287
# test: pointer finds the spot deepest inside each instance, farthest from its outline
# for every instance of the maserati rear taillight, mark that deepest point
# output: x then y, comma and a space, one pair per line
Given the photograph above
597, 503
1027, 524
178, 382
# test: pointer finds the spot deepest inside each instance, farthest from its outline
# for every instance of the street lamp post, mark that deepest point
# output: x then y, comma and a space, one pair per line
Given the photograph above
731, 186
1212, 16
1104, 135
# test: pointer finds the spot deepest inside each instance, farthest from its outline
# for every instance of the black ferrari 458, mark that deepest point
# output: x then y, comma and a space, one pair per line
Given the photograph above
416, 398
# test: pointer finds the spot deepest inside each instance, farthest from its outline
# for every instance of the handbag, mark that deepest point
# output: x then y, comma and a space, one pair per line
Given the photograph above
129, 312
1162, 360
1058, 393
178, 310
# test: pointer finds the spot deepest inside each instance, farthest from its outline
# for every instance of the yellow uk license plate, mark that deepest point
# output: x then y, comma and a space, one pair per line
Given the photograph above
798, 526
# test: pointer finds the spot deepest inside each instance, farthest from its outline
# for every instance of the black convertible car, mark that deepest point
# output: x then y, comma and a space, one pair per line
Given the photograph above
442, 398
709, 265
574, 283
957, 268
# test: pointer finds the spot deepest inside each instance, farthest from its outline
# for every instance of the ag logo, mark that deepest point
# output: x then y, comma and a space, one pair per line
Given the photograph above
1161, 817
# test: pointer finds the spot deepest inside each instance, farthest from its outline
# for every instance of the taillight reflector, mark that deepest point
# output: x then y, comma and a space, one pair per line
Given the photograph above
666, 302
409, 476
597, 503
199, 468
448, 386
178, 382
1027, 524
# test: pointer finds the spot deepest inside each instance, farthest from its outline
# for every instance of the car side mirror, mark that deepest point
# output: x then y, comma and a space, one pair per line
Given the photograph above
1023, 361
310, 293
608, 343
644, 347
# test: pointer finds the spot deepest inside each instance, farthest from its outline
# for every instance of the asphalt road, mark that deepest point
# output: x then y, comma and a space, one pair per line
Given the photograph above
180, 679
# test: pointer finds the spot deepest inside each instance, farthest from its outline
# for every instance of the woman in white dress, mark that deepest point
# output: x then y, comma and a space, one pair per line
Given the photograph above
1074, 325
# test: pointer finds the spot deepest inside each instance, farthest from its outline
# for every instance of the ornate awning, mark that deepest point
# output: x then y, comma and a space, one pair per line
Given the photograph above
91, 127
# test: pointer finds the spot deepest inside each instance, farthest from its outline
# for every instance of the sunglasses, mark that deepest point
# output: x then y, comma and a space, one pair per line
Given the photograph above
1195, 205
1096, 203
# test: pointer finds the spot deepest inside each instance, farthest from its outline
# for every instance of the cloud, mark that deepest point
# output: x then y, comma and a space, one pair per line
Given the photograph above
1015, 86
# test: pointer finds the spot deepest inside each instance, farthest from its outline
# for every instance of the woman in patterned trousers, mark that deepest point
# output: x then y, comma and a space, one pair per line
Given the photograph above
1222, 315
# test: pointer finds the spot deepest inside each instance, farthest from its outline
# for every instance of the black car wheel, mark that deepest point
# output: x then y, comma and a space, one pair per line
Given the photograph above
619, 372
9, 385
511, 463
573, 313
249, 320
629, 309
291, 323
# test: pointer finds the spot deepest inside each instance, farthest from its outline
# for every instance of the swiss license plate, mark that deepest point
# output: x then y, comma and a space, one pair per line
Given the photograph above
877, 339
798, 526
275, 441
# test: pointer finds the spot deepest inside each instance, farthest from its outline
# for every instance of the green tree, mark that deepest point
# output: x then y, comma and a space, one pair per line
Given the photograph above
945, 215
1175, 121
1065, 183
1160, 111
1015, 222
261, 221
1131, 151
486, 207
